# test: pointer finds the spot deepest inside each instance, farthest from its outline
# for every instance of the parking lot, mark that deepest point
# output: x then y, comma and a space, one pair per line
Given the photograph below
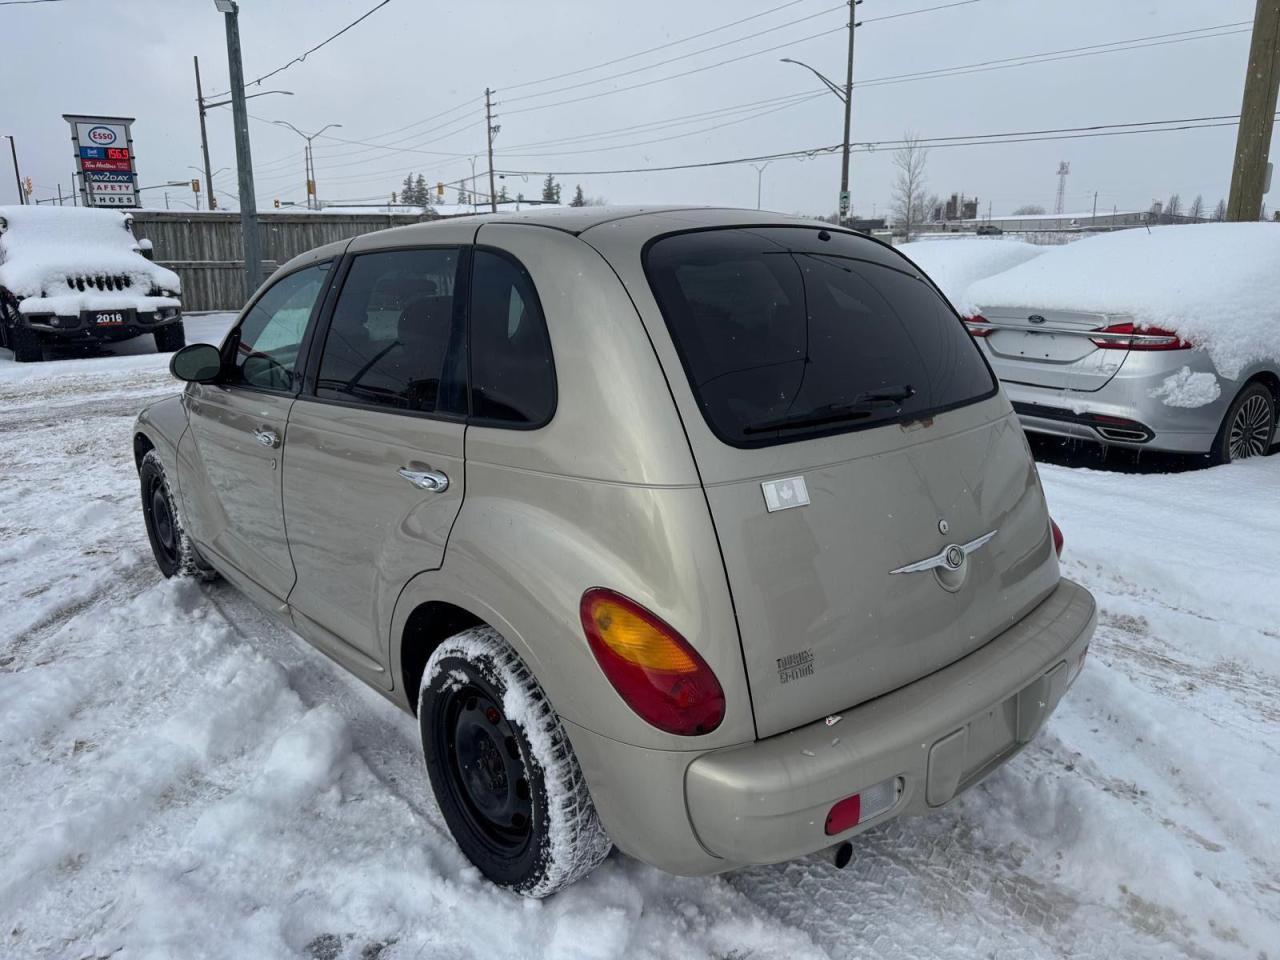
174, 766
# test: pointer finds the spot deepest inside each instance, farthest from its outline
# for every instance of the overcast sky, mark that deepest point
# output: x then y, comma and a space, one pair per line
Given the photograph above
414, 59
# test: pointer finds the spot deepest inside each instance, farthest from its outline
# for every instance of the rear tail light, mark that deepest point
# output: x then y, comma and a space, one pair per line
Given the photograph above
1126, 336
861, 807
651, 666
1057, 536
978, 325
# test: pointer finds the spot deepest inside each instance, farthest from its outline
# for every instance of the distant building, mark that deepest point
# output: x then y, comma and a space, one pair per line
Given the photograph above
957, 207
1043, 222
867, 224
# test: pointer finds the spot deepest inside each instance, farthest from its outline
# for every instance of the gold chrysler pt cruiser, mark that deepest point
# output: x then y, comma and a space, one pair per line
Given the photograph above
707, 534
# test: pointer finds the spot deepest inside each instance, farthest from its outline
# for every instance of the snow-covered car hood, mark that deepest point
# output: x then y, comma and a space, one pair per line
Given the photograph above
956, 264
66, 260
1216, 285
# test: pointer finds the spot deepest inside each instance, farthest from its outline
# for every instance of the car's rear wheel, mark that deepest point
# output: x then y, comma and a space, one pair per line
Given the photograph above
170, 337
503, 770
1249, 426
174, 552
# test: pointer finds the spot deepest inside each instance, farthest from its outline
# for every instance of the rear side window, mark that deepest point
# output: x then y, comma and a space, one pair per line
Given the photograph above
513, 379
785, 336
393, 332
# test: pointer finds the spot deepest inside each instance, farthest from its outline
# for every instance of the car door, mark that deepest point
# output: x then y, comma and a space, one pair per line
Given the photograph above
373, 467
237, 426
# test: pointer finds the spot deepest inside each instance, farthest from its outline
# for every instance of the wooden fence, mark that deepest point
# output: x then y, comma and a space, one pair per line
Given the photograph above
205, 249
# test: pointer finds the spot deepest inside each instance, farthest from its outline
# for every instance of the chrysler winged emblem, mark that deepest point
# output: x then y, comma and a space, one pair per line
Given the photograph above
951, 557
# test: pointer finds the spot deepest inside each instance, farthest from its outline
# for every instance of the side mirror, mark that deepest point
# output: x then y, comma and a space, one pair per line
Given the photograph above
196, 363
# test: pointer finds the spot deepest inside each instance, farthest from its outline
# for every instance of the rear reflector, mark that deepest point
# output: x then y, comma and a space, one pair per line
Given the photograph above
1057, 536
864, 806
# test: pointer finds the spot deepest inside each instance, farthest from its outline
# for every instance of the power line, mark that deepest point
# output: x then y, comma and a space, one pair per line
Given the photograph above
683, 56
23, 3
912, 13
303, 56
661, 46
1022, 136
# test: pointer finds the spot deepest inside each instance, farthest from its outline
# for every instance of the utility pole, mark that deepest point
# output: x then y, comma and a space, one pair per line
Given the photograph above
845, 206
240, 116
488, 122
13, 149
1257, 115
760, 167
204, 141
1095, 205
59, 194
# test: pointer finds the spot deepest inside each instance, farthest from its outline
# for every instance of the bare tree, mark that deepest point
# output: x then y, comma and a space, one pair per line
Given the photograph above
1029, 210
1196, 210
909, 187
1173, 209
1220, 211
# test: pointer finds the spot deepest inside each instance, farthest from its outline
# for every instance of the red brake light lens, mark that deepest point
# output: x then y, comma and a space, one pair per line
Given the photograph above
978, 325
1057, 536
1127, 336
654, 669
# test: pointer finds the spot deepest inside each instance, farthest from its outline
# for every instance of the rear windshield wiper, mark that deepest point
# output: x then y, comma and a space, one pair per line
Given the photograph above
858, 408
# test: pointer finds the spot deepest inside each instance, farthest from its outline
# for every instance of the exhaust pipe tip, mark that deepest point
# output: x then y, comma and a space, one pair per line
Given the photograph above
841, 855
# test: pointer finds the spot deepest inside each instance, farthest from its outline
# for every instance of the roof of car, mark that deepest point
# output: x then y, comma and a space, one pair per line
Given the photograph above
578, 220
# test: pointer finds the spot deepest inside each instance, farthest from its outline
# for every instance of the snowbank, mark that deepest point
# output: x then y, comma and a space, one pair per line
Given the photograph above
955, 265
1217, 285
45, 250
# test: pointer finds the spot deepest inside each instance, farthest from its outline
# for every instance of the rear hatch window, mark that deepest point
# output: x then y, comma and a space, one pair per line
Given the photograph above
787, 333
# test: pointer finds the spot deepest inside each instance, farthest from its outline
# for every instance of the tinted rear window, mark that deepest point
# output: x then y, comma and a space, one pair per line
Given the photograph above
785, 336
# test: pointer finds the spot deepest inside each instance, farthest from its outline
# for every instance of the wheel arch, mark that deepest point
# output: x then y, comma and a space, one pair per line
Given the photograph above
142, 445
427, 626
1269, 379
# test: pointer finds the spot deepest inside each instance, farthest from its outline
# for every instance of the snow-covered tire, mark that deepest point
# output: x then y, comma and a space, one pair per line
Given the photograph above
503, 770
1248, 428
174, 552
170, 337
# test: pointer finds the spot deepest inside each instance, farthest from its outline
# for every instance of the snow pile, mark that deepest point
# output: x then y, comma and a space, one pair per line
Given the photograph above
955, 265
43, 250
1216, 285
1187, 389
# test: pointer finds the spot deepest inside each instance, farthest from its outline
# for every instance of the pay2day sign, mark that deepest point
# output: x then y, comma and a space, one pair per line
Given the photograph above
104, 160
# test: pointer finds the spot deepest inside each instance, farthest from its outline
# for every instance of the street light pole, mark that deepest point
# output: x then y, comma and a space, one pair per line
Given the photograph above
759, 167
204, 141
308, 158
845, 94
13, 149
244, 161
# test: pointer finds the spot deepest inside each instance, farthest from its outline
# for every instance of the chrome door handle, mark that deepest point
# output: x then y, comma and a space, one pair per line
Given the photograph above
431, 480
268, 438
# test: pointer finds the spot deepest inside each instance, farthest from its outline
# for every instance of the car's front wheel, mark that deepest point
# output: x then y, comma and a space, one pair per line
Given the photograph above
174, 552
1249, 426
503, 770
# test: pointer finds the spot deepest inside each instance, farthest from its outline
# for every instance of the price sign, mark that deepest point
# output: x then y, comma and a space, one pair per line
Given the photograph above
104, 156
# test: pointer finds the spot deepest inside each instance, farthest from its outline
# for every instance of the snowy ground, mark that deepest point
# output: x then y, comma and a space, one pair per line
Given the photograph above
181, 778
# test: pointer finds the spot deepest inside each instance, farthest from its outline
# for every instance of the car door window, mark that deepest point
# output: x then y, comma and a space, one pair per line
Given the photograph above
513, 380
267, 341
391, 339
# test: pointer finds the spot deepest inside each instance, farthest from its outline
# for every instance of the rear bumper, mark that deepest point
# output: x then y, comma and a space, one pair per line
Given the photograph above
767, 801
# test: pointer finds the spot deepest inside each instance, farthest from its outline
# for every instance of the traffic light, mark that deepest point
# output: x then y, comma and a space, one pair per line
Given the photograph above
440, 190
277, 203
195, 186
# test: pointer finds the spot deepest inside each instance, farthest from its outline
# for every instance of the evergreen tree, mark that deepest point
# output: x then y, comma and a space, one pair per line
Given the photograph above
550, 190
422, 195
406, 189
464, 198
579, 200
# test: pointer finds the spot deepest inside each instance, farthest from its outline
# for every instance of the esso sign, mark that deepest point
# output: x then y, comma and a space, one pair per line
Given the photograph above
102, 136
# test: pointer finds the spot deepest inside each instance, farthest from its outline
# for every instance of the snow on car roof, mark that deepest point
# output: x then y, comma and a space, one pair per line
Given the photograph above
1215, 284
41, 246
956, 264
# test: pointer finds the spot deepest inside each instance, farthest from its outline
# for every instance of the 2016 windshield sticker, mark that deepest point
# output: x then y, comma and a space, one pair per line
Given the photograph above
795, 666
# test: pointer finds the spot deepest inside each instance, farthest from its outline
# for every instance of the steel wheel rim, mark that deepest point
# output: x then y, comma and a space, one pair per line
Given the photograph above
485, 769
162, 522
1250, 429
